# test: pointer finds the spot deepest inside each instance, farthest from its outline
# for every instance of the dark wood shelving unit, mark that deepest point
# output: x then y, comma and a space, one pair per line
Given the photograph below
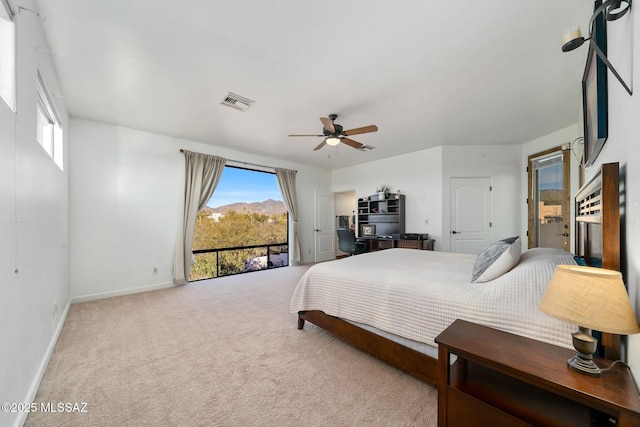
386, 214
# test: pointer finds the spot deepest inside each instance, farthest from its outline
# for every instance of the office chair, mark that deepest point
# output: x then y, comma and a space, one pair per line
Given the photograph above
347, 242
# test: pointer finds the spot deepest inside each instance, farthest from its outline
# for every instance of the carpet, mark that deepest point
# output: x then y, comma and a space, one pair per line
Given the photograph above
220, 352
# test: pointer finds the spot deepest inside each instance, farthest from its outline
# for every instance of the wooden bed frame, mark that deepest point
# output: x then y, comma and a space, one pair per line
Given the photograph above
596, 203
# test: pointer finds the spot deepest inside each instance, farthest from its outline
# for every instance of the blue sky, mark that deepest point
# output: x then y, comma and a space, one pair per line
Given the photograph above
242, 185
550, 177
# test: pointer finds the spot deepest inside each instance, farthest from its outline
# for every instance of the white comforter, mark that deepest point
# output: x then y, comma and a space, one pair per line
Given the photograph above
417, 294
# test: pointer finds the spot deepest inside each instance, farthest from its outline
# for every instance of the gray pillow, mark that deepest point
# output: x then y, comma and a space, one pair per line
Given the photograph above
496, 259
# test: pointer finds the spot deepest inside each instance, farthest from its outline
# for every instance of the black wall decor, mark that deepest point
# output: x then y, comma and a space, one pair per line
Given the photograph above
594, 93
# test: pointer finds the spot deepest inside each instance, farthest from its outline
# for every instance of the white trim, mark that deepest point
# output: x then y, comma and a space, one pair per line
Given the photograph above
44, 94
5, 10
548, 160
128, 291
7, 60
35, 384
53, 141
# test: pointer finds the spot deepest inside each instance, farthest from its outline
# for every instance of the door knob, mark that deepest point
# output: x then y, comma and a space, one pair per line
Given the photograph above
454, 232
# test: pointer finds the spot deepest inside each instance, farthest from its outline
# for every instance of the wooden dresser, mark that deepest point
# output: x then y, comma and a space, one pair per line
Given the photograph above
501, 379
424, 245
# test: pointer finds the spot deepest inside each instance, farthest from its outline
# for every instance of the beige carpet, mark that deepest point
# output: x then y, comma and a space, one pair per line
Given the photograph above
221, 352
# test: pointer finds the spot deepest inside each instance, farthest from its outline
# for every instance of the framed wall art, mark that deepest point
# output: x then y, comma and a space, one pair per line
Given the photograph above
594, 94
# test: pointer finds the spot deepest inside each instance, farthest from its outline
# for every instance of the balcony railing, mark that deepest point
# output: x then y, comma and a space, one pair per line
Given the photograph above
218, 262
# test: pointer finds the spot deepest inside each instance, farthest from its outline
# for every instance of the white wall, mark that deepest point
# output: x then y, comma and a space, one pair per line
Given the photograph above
34, 256
124, 189
417, 175
345, 204
501, 164
127, 187
423, 177
623, 146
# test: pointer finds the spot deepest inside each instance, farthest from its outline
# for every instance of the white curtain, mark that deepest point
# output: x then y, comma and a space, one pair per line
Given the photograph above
287, 184
202, 174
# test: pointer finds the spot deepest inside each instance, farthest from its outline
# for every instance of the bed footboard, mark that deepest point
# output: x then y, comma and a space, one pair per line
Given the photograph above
413, 362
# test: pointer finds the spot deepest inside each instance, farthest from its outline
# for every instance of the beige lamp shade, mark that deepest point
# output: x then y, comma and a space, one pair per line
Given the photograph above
590, 297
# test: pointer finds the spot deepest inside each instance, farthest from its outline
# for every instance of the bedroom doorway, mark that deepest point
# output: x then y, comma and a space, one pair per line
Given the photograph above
345, 203
470, 214
549, 199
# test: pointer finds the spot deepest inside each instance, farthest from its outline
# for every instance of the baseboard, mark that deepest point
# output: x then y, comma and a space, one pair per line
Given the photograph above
102, 295
35, 384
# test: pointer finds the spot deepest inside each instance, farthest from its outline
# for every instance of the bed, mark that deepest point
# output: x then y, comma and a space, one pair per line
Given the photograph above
393, 303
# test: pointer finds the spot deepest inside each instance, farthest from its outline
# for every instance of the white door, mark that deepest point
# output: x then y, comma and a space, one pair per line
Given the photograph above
470, 214
324, 229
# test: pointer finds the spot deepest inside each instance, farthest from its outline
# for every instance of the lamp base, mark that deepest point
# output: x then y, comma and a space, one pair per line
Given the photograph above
584, 364
585, 345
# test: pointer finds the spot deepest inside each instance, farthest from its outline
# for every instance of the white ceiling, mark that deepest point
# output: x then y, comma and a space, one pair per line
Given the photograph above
426, 73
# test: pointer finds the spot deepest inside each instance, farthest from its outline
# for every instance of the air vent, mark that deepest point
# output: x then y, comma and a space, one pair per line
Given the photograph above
236, 101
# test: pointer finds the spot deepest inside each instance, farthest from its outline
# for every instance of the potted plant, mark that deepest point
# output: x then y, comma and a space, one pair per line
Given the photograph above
383, 191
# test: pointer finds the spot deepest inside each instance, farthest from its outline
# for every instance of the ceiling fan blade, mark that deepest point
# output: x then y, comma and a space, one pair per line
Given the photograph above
351, 143
364, 129
305, 135
322, 144
328, 124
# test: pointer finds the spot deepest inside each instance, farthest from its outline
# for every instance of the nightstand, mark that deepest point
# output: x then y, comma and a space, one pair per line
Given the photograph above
501, 379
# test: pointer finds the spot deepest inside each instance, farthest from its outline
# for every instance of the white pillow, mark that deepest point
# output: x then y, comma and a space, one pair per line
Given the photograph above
496, 259
540, 252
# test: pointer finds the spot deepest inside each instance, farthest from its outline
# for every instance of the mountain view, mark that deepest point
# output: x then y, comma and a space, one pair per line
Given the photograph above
267, 207
551, 197
240, 225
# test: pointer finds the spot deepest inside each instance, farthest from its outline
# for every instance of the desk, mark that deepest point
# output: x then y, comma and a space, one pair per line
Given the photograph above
379, 243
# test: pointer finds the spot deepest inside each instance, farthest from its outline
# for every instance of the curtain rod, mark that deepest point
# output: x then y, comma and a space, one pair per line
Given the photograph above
245, 163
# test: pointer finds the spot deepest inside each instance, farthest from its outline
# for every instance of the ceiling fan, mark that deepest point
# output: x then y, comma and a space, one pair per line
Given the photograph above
334, 134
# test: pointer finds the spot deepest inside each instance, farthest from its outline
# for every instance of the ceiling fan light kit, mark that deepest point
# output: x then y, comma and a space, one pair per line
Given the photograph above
335, 134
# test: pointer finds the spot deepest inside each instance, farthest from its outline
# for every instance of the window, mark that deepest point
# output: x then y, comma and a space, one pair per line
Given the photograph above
549, 199
243, 227
7, 57
49, 132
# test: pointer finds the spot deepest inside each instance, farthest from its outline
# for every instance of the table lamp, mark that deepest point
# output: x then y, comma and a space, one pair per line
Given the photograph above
592, 298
